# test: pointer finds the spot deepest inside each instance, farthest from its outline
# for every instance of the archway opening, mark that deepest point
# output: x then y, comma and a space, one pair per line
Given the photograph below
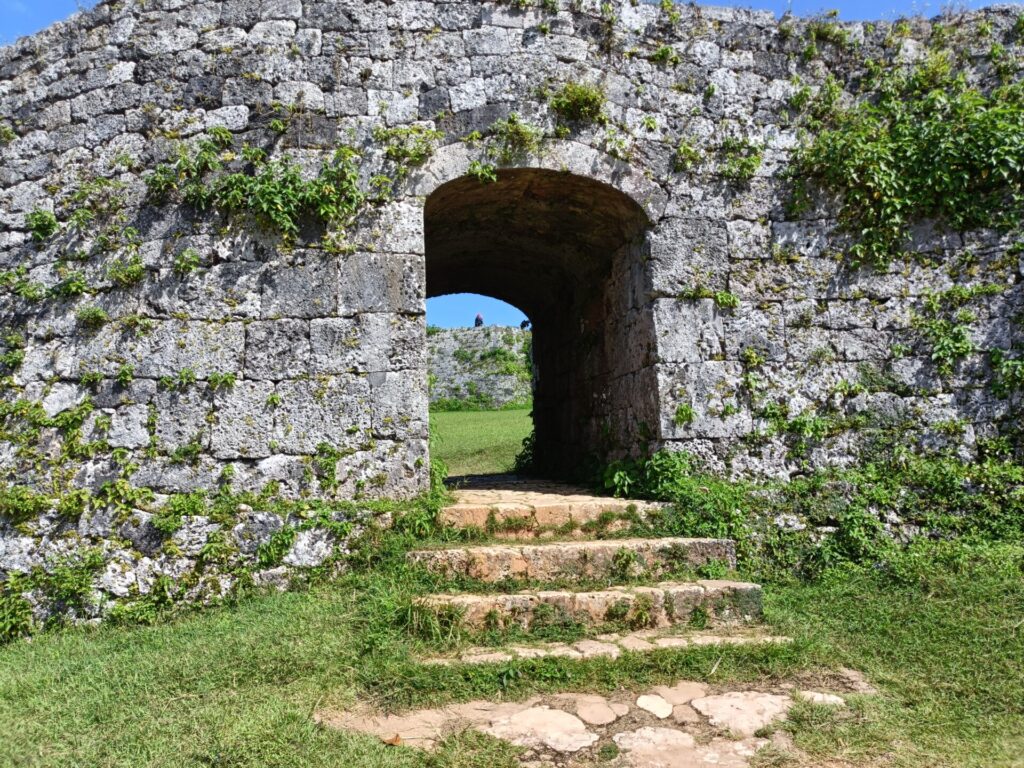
480, 385
569, 252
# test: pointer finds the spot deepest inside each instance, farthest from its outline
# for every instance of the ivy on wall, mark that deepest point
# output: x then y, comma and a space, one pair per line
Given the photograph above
923, 144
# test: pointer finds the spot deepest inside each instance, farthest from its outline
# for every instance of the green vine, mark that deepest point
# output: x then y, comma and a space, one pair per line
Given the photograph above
923, 144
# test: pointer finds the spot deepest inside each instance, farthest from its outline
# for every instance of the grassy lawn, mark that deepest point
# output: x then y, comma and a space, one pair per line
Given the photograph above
235, 686
478, 442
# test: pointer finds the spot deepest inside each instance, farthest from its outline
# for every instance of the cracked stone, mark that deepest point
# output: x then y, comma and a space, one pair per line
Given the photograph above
544, 727
743, 713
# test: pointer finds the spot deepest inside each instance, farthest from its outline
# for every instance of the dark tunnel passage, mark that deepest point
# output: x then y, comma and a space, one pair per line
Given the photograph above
568, 251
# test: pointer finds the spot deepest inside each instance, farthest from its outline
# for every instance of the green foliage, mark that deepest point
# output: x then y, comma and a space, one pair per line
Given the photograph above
218, 381
73, 284
273, 192
270, 553
665, 55
7, 134
485, 173
740, 159
187, 453
15, 610
126, 272
41, 224
186, 262
684, 415
168, 518
826, 30
19, 503
945, 323
515, 139
579, 103
924, 145
92, 317
125, 375
1008, 373
686, 157
409, 146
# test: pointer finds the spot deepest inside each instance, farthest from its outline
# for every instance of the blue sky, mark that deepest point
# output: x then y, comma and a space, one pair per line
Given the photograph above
23, 17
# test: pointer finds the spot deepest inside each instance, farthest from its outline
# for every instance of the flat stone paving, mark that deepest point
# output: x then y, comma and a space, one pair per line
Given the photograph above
536, 505
685, 725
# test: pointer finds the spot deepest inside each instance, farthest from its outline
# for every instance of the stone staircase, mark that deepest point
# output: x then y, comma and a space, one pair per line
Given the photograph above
590, 583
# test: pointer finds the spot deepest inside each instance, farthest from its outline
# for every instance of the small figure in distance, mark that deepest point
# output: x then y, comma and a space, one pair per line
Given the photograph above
525, 325
479, 320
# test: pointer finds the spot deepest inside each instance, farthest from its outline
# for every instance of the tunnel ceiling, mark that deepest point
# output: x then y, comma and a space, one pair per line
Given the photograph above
533, 238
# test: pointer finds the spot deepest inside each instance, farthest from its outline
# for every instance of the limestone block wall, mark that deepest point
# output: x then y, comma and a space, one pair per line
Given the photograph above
489, 367
179, 339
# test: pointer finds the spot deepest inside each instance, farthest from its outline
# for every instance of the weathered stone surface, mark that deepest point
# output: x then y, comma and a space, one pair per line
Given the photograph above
660, 296
654, 704
544, 727
742, 713
592, 559
490, 365
661, 605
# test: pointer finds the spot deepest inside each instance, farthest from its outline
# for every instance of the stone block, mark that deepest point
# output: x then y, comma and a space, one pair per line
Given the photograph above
243, 416
328, 409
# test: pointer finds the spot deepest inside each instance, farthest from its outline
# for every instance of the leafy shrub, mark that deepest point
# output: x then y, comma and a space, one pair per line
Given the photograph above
126, 272
273, 192
740, 159
92, 317
514, 138
925, 145
74, 284
579, 103
186, 262
408, 145
485, 173
19, 503
41, 224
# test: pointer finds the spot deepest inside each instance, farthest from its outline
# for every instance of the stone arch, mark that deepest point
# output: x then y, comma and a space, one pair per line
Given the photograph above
568, 249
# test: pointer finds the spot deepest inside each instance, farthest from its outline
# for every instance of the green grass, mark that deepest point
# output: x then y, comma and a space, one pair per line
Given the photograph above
478, 442
236, 685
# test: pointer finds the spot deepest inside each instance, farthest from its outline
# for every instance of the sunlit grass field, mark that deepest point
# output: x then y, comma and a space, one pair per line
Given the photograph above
478, 442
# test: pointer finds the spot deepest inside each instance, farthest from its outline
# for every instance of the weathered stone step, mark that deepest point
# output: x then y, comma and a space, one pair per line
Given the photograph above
662, 605
515, 507
612, 646
594, 560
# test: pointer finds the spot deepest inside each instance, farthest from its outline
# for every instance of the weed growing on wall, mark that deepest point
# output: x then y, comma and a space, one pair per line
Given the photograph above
579, 103
921, 144
273, 192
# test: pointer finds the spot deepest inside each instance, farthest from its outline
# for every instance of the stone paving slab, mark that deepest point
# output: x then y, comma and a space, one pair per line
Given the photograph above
597, 560
683, 725
660, 605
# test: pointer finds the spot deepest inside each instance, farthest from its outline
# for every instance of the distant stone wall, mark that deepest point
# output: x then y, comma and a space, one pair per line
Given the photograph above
486, 367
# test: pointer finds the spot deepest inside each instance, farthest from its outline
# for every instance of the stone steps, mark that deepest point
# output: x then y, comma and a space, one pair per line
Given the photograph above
607, 560
521, 520
519, 508
612, 646
661, 605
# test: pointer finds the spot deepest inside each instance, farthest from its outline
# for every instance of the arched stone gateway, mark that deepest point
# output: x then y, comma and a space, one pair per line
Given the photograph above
219, 222
570, 252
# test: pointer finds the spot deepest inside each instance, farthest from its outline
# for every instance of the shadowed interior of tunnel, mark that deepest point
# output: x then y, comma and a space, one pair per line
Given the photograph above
569, 252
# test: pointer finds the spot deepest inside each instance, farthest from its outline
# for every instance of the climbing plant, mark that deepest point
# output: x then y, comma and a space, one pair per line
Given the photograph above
274, 192
922, 144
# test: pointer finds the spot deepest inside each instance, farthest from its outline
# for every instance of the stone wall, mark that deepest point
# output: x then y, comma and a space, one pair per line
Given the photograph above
486, 367
190, 332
